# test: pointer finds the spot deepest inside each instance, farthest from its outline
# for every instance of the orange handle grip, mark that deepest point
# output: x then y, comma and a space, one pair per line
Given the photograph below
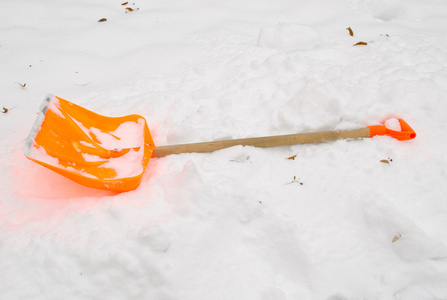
406, 133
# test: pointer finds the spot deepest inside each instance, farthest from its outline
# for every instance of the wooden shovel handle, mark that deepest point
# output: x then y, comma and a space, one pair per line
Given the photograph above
268, 141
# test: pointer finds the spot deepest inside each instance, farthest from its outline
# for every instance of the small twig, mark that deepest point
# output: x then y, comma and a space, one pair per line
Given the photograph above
295, 180
235, 160
22, 85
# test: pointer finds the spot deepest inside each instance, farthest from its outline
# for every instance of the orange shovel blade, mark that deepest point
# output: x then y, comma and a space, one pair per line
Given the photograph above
91, 149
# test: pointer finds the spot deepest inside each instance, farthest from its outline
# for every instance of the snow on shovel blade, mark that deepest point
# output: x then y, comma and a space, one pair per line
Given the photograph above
91, 149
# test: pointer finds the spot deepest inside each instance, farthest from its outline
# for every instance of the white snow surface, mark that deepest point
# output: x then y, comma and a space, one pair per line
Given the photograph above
362, 219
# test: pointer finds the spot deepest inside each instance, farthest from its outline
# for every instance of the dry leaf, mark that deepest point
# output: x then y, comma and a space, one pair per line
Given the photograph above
22, 85
351, 33
131, 9
125, 3
386, 161
296, 180
361, 44
102, 20
292, 157
5, 110
396, 237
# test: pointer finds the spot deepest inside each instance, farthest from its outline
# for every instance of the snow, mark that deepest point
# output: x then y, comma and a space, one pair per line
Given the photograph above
393, 124
128, 135
334, 222
127, 165
289, 37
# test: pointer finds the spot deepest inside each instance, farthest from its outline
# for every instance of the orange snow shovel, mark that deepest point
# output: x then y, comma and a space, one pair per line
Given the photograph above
113, 153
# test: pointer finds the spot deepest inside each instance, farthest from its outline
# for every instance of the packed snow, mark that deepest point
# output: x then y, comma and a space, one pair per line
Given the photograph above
393, 124
350, 219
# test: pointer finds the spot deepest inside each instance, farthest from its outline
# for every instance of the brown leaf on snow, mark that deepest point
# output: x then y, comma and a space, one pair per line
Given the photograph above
5, 110
351, 33
396, 237
131, 9
387, 161
292, 157
22, 85
361, 44
102, 20
125, 3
